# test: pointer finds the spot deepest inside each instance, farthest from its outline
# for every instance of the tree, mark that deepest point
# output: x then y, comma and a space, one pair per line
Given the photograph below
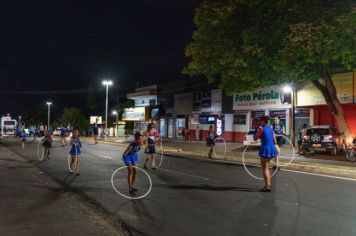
249, 44
35, 116
74, 117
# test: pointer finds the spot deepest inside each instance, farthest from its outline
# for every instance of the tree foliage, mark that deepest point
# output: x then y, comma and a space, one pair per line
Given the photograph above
74, 117
249, 44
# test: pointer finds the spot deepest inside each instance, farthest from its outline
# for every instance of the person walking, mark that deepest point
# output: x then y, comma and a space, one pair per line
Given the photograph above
279, 130
267, 151
95, 133
210, 141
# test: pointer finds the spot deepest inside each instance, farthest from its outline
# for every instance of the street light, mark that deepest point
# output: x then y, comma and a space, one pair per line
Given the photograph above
289, 89
117, 117
107, 83
49, 113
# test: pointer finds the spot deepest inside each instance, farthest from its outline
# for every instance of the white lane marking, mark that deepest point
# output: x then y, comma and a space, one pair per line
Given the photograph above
322, 175
188, 175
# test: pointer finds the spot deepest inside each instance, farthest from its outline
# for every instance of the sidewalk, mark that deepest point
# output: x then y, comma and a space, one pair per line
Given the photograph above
318, 163
32, 204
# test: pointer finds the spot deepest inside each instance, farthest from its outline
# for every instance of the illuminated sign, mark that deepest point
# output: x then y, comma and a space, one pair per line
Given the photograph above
267, 98
134, 114
96, 119
220, 126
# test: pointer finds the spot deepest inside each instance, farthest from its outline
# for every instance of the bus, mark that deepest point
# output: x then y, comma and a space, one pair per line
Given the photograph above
7, 126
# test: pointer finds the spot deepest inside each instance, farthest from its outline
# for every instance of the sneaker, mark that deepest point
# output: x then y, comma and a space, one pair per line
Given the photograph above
153, 168
134, 189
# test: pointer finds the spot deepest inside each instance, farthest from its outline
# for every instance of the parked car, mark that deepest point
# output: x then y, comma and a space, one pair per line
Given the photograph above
57, 132
323, 138
249, 141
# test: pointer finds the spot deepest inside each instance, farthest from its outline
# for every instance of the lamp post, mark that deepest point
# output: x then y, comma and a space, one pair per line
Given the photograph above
49, 113
107, 83
289, 89
117, 117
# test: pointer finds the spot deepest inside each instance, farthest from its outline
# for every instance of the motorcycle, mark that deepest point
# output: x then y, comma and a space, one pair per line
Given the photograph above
351, 152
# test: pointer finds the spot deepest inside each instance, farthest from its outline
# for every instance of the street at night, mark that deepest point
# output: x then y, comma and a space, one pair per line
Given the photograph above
207, 197
178, 117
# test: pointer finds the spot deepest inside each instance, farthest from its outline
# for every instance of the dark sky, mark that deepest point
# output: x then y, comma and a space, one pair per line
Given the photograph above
63, 45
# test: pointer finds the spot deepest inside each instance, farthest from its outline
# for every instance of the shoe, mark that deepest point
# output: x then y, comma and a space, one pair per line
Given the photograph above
275, 167
70, 172
134, 189
145, 166
77, 174
264, 189
153, 168
131, 191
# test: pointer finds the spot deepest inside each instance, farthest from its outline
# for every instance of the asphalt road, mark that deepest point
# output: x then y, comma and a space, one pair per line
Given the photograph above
202, 197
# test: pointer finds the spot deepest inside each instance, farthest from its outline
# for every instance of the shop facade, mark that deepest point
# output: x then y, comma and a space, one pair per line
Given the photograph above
248, 107
310, 98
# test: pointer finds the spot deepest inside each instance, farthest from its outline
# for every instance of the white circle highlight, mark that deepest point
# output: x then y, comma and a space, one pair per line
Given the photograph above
40, 155
127, 196
224, 146
293, 155
252, 175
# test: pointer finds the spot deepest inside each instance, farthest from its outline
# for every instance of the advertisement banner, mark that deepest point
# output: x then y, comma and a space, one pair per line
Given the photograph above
134, 114
309, 95
96, 119
266, 98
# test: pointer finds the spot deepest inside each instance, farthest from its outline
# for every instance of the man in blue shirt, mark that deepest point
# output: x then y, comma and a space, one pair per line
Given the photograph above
95, 132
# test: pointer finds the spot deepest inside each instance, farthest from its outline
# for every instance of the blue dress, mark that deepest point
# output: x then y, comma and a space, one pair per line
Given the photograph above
131, 158
95, 130
267, 149
75, 149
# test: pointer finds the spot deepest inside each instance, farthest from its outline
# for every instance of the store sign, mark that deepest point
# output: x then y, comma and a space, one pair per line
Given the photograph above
96, 119
280, 113
271, 97
220, 126
134, 114
345, 86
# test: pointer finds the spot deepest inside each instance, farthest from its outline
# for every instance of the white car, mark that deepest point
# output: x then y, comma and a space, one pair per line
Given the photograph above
57, 132
248, 141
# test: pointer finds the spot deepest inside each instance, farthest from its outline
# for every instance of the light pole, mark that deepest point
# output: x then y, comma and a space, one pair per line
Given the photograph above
289, 89
117, 117
107, 83
49, 114
20, 120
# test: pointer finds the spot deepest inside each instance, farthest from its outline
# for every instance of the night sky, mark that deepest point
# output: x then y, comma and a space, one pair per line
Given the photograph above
64, 45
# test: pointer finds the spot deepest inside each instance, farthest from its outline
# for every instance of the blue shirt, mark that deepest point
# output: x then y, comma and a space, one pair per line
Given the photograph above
135, 147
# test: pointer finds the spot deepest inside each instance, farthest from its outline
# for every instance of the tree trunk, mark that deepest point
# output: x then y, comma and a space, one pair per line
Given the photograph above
332, 101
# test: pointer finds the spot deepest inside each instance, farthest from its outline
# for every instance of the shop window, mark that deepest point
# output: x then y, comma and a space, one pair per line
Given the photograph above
240, 119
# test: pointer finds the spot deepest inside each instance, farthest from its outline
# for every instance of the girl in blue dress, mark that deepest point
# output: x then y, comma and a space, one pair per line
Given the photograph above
267, 151
130, 158
75, 152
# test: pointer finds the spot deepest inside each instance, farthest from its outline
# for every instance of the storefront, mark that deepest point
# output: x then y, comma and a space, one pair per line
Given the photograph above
138, 116
250, 106
309, 98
